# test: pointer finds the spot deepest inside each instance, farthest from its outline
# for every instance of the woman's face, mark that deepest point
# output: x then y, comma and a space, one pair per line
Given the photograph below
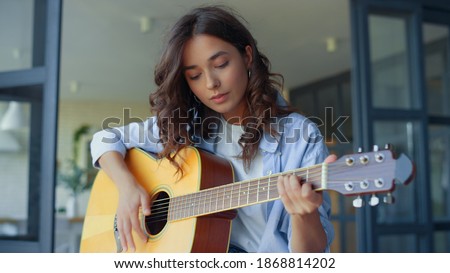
217, 74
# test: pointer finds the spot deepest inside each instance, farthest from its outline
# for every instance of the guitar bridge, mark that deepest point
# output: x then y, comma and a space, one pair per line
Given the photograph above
117, 236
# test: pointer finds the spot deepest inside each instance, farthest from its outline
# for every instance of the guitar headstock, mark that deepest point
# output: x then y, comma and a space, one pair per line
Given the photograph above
369, 173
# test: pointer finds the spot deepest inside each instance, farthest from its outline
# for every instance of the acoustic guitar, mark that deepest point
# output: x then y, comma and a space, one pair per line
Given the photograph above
192, 210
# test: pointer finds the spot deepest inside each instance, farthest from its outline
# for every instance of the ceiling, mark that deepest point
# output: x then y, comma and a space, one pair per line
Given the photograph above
105, 56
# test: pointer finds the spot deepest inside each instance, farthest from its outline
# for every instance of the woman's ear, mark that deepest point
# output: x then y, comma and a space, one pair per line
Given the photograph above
248, 56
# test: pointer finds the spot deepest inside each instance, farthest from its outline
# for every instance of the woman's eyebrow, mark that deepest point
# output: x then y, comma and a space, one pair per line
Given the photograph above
218, 54
212, 58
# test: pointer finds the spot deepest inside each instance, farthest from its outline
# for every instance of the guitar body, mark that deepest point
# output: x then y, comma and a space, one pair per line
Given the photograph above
201, 170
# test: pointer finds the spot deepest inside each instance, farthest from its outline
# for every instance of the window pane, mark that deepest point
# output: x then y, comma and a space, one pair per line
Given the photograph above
20, 162
350, 236
347, 111
401, 136
345, 237
442, 241
304, 102
16, 34
14, 169
336, 246
440, 165
436, 46
398, 243
389, 62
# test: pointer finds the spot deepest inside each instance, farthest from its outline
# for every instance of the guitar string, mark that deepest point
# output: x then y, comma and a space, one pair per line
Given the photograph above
189, 213
251, 185
193, 204
228, 201
316, 173
164, 216
232, 186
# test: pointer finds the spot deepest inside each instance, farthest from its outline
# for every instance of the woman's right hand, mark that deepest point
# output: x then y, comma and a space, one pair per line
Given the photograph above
132, 197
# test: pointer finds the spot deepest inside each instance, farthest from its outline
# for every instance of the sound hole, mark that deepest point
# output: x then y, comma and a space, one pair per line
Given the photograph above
158, 217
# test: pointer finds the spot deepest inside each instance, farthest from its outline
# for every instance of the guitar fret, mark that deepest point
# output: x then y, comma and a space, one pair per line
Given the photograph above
195, 203
218, 199
257, 191
248, 191
207, 206
204, 205
178, 207
191, 205
239, 195
273, 193
203, 199
223, 199
188, 206
232, 195
174, 209
169, 213
200, 195
213, 199
237, 201
182, 207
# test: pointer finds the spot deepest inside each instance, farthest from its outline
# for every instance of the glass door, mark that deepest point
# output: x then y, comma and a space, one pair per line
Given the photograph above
29, 52
436, 28
390, 109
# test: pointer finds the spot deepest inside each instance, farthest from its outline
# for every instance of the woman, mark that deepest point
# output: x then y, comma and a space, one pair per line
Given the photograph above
215, 91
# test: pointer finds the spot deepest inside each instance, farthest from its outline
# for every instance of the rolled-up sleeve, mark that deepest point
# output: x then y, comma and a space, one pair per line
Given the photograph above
314, 151
144, 135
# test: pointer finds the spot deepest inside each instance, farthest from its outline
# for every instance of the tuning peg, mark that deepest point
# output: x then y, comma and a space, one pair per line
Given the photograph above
360, 150
374, 200
375, 148
358, 202
388, 146
389, 198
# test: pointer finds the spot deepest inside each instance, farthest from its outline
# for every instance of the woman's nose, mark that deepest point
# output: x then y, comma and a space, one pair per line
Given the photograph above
212, 81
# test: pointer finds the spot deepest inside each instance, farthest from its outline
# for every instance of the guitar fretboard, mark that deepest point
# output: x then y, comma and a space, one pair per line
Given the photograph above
239, 194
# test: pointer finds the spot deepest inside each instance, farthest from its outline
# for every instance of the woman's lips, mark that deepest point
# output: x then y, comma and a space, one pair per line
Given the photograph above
219, 98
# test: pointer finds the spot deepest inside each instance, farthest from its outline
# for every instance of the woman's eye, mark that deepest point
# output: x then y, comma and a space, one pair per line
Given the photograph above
194, 77
223, 65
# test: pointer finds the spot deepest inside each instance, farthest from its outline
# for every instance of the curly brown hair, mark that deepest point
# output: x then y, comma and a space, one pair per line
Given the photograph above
178, 112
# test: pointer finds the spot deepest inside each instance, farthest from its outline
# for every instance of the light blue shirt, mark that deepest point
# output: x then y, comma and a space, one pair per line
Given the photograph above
298, 145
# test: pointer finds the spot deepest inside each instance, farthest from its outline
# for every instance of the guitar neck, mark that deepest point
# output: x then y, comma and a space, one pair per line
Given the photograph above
240, 194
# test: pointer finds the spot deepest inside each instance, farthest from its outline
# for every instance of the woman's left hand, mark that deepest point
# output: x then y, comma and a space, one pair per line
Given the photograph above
299, 198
